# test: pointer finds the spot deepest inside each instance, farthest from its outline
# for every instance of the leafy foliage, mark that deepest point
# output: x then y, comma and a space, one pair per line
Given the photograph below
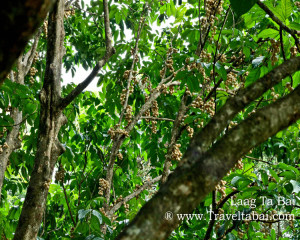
238, 47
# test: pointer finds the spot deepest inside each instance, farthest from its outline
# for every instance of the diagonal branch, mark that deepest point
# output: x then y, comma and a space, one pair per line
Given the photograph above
135, 51
176, 131
120, 138
110, 50
243, 98
199, 173
28, 58
68, 205
280, 23
133, 195
157, 118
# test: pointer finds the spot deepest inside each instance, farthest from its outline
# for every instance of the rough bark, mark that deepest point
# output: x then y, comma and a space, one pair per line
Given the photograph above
188, 185
51, 119
19, 20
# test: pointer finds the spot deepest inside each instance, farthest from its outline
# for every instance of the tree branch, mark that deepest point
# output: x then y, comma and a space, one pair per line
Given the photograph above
244, 97
67, 201
174, 137
135, 51
283, 53
19, 21
133, 195
258, 160
118, 140
110, 50
28, 58
157, 118
281, 24
200, 172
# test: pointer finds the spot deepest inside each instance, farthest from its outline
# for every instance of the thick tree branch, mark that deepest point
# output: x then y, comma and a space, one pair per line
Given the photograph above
19, 20
199, 173
244, 97
12, 142
110, 50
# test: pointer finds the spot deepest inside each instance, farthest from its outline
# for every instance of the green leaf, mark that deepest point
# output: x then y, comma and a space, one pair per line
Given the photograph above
268, 33
221, 70
272, 186
98, 215
288, 167
264, 177
288, 175
240, 7
273, 234
246, 51
286, 9
295, 25
274, 175
82, 213
252, 77
278, 11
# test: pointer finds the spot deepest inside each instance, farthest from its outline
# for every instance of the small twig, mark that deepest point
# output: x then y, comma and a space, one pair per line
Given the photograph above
134, 194
23, 120
258, 160
158, 119
67, 201
135, 51
175, 134
282, 50
159, 54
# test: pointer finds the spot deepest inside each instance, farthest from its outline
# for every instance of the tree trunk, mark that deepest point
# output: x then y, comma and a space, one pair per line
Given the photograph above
12, 140
51, 120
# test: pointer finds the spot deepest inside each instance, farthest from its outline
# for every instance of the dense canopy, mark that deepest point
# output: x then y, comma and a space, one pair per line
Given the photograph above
192, 133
